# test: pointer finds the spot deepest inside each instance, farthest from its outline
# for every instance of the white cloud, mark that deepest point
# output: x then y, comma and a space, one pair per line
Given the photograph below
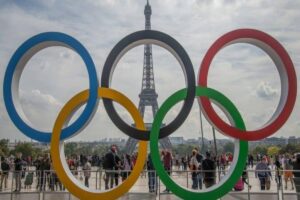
47, 98
238, 71
264, 90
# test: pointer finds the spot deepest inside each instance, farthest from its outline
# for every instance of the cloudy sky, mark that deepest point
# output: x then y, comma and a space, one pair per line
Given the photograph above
242, 72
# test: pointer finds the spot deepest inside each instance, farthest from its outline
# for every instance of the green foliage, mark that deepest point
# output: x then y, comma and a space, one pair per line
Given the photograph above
260, 150
290, 148
70, 148
73, 148
27, 150
183, 149
273, 150
101, 149
228, 147
4, 151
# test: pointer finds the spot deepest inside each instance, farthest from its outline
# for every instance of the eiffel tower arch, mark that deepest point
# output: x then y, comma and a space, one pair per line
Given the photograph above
148, 95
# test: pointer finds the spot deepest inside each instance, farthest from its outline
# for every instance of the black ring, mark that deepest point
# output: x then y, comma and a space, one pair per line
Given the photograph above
170, 44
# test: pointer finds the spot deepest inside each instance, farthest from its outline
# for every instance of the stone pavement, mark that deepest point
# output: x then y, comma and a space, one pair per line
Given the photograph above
140, 190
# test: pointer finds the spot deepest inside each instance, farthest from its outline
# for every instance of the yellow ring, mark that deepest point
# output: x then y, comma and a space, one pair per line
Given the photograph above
58, 155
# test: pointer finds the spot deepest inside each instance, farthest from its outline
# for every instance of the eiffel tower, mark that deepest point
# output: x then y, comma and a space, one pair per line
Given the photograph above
148, 95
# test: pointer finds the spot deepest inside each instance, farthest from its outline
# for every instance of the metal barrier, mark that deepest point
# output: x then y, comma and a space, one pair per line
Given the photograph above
45, 185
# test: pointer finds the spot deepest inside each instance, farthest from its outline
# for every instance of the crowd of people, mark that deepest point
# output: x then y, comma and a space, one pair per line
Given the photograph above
285, 167
205, 170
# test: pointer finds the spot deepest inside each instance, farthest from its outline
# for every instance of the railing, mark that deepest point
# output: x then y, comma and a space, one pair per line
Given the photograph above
46, 185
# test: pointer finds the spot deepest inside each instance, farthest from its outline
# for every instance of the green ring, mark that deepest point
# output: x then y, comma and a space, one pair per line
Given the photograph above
227, 183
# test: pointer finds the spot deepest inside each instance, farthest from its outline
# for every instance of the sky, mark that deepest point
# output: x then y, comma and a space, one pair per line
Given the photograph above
244, 73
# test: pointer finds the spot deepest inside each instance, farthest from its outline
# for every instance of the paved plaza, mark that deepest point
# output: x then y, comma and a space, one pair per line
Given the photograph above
140, 189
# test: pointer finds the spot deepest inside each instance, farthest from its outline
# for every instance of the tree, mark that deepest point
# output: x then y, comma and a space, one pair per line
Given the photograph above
229, 147
262, 150
290, 148
273, 150
70, 148
27, 150
184, 149
101, 149
4, 150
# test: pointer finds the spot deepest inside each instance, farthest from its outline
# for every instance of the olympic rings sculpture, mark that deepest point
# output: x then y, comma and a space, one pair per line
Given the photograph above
236, 129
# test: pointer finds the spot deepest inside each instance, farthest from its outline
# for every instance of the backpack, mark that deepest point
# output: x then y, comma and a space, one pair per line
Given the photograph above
5, 167
239, 186
104, 162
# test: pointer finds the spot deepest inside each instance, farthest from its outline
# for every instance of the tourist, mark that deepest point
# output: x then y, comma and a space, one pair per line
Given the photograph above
278, 171
18, 171
250, 160
223, 163
152, 182
263, 173
288, 173
4, 174
117, 168
245, 178
71, 164
28, 180
109, 164
45, 172
296, 168
167, 161
194, 168
86, 170
209, 171
184, 163
55, 182
37, 163
272, 162
230, 158
127, 166
199, 158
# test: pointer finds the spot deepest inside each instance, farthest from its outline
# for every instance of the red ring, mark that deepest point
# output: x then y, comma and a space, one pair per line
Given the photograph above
261, 40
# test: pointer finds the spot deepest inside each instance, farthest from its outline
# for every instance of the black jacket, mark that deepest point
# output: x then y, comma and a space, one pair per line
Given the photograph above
18, 164
109, 161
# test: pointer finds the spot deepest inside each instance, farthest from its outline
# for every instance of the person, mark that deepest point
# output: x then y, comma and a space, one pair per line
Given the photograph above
44, 172
250, 160
55, 182
199, 158
223, 163
37, 163
127, 166
272, 162
28, 180
4, 175
117, 168
109, 164
86, 170
194, 168
245, 178
152, 176
278, 172
209, 171
167, 161
18, 171
230, 158
177, 164
296, 172
263, 173
184, 163
288, 173
71, 164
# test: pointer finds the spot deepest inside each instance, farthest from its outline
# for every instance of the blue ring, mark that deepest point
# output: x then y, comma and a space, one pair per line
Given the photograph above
93, 85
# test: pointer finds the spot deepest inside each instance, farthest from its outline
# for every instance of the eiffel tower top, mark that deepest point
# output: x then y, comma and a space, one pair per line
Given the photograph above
147, 13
